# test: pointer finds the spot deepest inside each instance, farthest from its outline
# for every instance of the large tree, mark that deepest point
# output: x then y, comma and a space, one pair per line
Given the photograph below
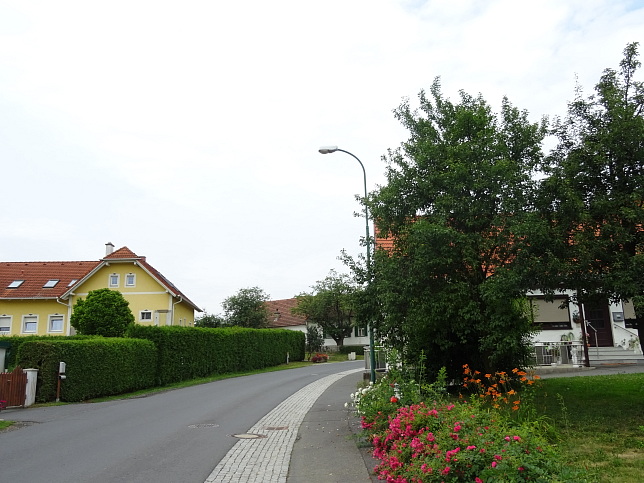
594, 194
457, 200
104, 312
331, 305
247, 308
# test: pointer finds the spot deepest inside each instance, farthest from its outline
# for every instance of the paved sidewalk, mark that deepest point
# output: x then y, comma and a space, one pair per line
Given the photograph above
263, 457
328, 448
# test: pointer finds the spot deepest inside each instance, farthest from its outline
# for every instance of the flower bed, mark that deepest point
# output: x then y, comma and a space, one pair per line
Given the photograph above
320, 358
490, 436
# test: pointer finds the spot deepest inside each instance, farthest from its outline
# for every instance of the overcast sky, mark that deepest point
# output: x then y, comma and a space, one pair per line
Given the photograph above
189, 131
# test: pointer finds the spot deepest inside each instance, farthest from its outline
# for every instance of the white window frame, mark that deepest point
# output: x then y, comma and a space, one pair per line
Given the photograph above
5, 321
51, 283
131, 276
118, 280
361, 332
145, 319
62, 323
25, 321
15, 284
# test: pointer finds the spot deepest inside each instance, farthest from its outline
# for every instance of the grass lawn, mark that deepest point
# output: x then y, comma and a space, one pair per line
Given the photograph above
601, 422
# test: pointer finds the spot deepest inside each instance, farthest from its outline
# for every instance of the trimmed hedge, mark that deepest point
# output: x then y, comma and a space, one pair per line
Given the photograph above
15, 341
95, 367
191, 352
358, 349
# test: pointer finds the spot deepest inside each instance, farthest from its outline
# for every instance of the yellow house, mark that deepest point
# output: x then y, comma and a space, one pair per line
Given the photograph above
37, 298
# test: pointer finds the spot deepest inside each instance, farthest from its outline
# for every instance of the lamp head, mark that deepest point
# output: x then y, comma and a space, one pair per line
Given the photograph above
328, 149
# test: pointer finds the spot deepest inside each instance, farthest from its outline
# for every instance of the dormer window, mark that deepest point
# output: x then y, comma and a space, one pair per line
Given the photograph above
114, 280
50, 283
15, 284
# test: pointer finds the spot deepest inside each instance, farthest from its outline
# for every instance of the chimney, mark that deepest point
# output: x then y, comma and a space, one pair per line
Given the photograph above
109, 248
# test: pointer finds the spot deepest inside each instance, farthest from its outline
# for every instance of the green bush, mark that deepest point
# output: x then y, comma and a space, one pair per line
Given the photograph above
358, 349
104, 312
95, 367
191, 352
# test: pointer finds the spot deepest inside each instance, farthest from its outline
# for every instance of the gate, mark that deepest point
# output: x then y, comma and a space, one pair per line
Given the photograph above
13, 387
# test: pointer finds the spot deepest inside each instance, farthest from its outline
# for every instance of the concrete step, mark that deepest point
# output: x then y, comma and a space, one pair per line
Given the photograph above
604, 355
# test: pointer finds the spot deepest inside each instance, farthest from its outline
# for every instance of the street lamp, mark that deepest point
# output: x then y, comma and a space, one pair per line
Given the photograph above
372, 352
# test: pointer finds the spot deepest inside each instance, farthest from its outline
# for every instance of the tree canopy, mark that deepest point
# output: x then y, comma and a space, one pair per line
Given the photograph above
593, 197
104, 312
459, 194
331, 305
210, 321
247, 308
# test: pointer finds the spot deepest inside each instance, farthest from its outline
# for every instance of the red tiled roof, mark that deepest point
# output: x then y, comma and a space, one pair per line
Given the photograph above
280, 313
123, 252
37, 274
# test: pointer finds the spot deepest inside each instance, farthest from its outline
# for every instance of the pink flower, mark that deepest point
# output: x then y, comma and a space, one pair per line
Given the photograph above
493, 464
471, 447
478, 480
446, 470
517, 438
521, 468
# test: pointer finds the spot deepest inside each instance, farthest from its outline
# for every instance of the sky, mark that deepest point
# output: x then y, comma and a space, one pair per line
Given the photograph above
189, 131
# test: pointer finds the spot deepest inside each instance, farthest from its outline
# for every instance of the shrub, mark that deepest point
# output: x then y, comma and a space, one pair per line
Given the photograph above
358, 349
460, 442
104, 312
320, 358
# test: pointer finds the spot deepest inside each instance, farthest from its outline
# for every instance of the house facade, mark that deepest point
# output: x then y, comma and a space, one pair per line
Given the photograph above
610, 330
281, 317
37, 298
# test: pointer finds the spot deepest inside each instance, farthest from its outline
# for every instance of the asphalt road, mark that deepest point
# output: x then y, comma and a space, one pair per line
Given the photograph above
174, 436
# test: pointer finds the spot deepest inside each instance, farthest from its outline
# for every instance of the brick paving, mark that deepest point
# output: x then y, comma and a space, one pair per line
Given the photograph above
266, 459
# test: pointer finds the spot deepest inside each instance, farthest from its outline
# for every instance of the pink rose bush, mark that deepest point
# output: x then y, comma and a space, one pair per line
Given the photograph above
457, 441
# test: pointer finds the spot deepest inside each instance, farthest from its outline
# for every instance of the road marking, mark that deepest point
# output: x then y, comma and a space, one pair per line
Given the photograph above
266, 459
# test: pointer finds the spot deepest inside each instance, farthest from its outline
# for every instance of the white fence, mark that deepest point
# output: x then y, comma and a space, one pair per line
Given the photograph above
555, 353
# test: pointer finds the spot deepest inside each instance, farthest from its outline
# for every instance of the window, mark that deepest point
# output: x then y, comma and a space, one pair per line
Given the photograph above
72, 282
30, 324
15, 284
361, 332
55, 323
114, 280
50, 283
130, 280
550, 315
145, 315
5, 324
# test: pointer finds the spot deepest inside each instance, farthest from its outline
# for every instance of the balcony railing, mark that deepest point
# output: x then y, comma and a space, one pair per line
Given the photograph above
560, 352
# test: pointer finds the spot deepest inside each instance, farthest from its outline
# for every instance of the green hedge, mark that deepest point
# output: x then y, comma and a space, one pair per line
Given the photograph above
95, 367
16, 341
358, 349
191, 352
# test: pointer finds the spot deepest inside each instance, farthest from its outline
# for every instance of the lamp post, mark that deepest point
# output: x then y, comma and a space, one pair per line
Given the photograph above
372, 352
